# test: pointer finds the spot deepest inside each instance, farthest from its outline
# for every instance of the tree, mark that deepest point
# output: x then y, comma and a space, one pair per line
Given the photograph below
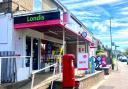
126, 52
99, 49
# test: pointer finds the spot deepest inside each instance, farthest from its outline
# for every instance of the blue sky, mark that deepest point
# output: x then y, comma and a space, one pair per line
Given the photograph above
96, 14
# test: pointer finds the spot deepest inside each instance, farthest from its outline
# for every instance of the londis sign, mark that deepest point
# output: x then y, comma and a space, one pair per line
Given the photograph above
37, 17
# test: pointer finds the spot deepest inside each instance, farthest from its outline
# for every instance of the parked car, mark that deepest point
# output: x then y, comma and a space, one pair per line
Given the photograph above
124, 59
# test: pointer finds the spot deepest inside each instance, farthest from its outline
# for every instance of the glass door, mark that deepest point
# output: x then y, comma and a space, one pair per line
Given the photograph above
35, 53
28, 50
32, 49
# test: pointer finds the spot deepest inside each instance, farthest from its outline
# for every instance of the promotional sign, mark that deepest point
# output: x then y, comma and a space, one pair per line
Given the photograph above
92, 45
66, 17
82, 61
84, 34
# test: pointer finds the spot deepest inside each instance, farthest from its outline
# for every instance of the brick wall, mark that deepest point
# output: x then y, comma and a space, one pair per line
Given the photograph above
5, 6
16, 5
48, 5
26, 5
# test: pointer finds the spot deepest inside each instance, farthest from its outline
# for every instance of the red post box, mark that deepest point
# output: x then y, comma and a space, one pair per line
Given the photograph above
68, 71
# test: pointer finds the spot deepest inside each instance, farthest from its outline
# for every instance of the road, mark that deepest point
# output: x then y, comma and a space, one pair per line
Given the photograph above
116, 80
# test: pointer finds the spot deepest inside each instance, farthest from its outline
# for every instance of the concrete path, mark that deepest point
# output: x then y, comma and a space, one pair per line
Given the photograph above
116, 80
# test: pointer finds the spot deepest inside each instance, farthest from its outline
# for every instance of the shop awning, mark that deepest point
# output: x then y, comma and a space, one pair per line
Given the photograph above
50, 23
56, 31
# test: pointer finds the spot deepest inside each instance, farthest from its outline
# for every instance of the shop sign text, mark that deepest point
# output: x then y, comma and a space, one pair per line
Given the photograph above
35, 18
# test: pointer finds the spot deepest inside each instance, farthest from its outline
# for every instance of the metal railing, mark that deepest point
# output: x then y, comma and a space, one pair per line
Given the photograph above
37, 71
9, 67
55, 66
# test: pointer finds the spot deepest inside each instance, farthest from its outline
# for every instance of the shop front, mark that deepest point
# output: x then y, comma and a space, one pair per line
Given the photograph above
45, 38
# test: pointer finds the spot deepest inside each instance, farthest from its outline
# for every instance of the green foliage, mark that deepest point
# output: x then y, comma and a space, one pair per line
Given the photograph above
126, 52
100, 49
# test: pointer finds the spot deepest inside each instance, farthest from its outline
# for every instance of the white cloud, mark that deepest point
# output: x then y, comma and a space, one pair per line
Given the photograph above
125, 18
100, 2
84, 13
122, 43
90, 3
99, 26
102, 28
124, 12
116, 23
70, 1
119, 34
96, 2
124, 9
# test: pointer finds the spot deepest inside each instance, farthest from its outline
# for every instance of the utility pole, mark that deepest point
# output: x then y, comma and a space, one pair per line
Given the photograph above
111, 46
110, 34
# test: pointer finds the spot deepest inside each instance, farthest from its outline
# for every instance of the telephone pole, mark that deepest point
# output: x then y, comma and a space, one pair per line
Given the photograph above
111, 46
110, 34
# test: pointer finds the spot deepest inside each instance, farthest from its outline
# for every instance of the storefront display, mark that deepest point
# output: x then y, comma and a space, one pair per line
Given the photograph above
50, 53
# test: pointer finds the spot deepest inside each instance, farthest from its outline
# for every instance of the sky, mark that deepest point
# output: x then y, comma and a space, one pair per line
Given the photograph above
96, 16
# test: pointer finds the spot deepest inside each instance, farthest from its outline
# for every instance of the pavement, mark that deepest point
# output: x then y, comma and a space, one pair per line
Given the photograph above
118, 79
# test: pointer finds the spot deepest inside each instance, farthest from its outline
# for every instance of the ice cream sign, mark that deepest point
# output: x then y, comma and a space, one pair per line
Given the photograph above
82, 61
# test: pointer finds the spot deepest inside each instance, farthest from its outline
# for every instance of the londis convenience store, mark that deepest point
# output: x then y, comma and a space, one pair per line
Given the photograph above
44, 36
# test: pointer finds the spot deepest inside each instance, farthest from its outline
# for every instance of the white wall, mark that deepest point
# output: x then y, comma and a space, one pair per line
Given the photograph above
6, 33
19, 42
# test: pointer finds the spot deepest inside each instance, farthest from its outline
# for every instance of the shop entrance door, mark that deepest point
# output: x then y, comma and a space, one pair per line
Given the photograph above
32, 49
35, 53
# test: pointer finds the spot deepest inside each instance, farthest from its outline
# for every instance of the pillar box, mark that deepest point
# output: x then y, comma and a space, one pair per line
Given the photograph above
68, 71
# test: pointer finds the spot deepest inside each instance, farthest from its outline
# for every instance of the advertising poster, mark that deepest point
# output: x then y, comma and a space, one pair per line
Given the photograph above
82, 61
